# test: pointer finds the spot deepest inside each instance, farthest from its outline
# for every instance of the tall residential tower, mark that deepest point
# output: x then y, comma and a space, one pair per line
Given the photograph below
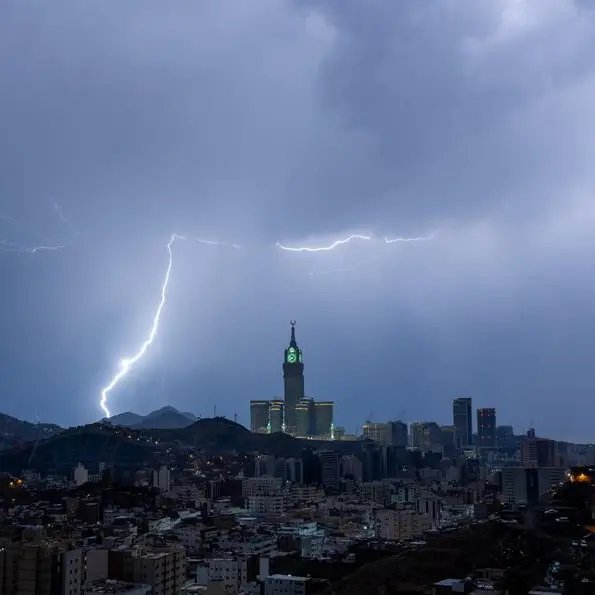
486, 427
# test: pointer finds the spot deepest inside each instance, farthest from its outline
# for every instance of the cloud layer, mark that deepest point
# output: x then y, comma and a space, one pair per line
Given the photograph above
305, 120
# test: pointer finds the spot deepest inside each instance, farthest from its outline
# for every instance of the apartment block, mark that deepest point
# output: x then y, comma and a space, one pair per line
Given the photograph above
397, 525
162, 568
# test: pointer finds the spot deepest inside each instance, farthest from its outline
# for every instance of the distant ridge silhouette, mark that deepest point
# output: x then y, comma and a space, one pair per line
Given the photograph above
165, 418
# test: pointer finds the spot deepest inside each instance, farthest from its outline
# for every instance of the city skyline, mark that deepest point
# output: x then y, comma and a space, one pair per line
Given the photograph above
318, 123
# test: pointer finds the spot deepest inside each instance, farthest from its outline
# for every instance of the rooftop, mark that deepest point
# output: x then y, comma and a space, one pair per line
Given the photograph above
111, 586
288, 577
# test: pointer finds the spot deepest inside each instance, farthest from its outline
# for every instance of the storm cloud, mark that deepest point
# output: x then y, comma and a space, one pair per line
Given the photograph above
301, 121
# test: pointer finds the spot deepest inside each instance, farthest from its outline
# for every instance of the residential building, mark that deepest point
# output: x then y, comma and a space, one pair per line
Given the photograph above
397, 525
287, 584
162, 479
538, 452
524, 486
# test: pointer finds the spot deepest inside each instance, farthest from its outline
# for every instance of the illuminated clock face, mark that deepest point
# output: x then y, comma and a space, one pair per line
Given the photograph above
291, 356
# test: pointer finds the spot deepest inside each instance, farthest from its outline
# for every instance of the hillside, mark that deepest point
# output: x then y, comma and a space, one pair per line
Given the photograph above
134, 448
15, 430
455, 555
89, 445
220, 434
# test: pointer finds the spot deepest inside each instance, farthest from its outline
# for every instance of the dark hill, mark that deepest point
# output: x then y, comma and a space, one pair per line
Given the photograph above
13, 429
210, 432
219, 434
89, 445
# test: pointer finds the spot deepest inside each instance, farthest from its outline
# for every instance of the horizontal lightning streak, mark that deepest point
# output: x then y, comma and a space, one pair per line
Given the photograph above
427, 238
323, 248
10, 247
350, 238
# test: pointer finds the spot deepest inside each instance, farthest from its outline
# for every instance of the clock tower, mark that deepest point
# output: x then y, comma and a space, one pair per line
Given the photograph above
293, 377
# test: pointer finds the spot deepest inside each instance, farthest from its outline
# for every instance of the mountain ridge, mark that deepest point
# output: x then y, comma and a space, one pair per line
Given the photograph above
164, 418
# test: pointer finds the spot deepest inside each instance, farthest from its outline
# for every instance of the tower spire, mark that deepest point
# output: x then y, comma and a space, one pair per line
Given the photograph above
292, 343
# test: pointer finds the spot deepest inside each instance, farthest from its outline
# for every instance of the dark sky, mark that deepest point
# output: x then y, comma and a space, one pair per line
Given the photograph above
302, 122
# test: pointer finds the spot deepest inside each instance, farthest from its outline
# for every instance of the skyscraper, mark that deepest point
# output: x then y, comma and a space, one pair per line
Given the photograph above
323, 417
259, 416
462, 415
293, 377
276, 417
399, 433
304, 417
486, 427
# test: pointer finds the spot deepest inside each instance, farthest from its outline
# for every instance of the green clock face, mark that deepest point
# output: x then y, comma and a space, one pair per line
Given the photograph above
291, 356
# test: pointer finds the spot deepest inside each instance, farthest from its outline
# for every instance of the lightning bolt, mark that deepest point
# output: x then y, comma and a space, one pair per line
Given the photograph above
127, 363
328, 248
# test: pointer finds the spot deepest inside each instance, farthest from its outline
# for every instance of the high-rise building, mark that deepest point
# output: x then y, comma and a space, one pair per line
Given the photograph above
399, 433
323, 417
449, 437
538, 452
432, 440
425, 435
304, 417
486, 427
416, 434
377, 431
259, 416
293, 377
505, 436
463, 421
276, 417
329, 468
